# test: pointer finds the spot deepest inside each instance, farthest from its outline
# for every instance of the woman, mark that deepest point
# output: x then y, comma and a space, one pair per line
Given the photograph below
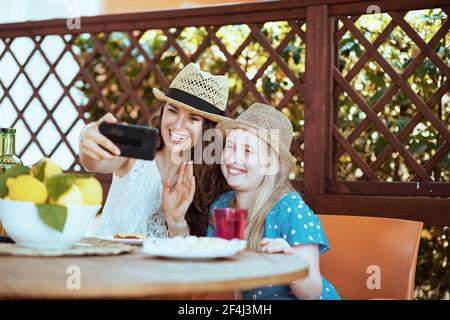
146, 196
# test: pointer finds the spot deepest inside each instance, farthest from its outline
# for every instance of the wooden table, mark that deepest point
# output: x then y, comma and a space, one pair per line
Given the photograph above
135, 276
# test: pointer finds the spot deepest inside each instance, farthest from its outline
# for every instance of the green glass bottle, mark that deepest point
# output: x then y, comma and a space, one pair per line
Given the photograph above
1, 142
8, 158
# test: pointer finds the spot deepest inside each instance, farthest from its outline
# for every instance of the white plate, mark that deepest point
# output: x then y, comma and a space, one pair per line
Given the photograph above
193, 248
128, 241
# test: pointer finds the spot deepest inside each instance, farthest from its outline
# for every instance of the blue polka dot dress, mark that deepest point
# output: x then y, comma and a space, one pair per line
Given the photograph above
292, 220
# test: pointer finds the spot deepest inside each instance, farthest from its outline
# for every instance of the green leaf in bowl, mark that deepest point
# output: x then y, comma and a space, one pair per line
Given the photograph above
58, 184
53, 215
39, 170
13, 172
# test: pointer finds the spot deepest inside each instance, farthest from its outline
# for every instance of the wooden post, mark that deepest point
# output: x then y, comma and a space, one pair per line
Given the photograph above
318, 99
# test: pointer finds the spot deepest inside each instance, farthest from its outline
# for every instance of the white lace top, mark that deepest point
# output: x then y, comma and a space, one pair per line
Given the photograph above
134, 203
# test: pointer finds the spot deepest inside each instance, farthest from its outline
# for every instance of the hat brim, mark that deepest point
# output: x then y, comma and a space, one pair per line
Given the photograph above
230, 124
211, 116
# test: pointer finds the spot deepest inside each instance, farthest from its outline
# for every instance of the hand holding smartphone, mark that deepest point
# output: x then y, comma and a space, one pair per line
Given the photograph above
134, 141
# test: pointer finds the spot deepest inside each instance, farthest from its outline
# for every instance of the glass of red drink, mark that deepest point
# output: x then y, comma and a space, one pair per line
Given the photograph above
230, 223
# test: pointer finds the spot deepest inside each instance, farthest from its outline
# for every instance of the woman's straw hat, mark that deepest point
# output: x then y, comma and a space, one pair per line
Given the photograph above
266, 122
197, 91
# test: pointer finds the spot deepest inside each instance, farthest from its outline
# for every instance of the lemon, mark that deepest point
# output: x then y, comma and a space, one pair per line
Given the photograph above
26, 188
44, 169
91, 189
72, 196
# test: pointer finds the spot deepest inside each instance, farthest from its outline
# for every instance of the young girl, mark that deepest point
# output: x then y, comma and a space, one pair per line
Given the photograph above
256, 162
145, 196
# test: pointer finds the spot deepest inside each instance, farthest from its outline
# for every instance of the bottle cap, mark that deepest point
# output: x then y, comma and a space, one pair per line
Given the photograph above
8, 130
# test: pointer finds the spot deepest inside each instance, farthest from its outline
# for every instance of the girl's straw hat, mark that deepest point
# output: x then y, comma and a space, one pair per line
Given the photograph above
197, 91
266, 122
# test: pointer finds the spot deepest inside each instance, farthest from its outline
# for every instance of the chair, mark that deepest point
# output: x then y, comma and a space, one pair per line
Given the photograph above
360, 242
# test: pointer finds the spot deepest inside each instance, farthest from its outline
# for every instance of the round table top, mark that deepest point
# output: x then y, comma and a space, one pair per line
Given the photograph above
136, 276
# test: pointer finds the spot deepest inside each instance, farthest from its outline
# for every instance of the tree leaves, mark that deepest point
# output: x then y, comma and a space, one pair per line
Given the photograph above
54, 216
372, 100
418, 148
402, 121
379, 146
349, 46
446, 161
269, 86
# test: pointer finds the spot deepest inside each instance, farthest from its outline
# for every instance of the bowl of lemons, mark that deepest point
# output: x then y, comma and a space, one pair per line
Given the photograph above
42, 207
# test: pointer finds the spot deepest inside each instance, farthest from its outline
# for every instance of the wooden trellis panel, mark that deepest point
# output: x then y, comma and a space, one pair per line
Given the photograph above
130, 86
313, 23
400, 83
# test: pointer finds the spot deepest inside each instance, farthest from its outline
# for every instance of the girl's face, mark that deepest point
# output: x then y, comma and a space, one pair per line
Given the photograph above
180, 129
244, 160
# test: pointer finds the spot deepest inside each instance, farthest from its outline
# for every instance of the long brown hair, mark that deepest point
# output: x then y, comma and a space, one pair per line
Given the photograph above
209, 180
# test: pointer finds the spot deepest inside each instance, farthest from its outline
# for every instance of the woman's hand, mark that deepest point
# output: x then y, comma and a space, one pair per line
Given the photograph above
278, 245
177, 202
95, 145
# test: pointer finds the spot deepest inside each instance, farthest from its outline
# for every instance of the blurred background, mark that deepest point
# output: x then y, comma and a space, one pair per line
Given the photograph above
23, 10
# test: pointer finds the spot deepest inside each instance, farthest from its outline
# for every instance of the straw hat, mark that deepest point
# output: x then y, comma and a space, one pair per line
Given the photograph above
197, 91
269, 124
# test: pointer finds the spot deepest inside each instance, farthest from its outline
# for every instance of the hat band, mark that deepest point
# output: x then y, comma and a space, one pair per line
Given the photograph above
193, 101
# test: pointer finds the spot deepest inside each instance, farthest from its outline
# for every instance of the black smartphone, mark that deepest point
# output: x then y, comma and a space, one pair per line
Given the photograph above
134, 141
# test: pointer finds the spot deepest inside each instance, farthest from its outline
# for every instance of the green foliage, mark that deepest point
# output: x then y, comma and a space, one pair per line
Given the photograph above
54, 216
40, 170
58, 184
13, 172
371, 82
433, 265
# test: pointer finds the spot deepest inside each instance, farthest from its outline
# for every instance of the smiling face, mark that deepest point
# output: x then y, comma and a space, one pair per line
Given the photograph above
245, 160
180, 129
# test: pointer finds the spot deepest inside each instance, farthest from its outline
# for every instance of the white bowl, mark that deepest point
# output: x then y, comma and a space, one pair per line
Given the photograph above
22, 223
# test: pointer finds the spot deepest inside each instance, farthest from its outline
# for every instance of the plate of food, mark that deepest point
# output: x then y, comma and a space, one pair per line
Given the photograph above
129, 238
193, 247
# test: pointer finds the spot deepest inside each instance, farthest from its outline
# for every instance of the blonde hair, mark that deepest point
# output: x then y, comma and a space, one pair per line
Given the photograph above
271, 190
